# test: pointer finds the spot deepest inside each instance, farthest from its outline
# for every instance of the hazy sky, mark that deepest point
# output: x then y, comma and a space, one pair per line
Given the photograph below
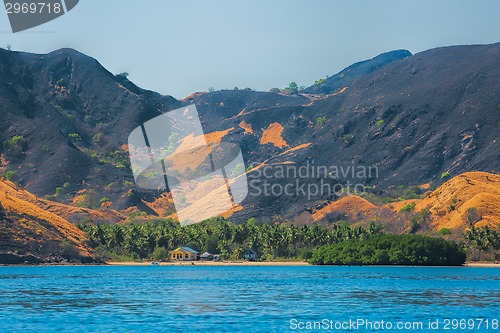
182, 46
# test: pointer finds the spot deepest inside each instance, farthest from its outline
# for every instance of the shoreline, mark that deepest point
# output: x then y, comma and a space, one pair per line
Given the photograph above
481, 264
212, 263
276, 263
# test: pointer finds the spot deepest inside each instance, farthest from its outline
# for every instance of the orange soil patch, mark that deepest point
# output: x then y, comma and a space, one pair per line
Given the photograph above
247, 127
205, 199
202, 190
425, 186
242, 112
233, 210
273, 135
216, 137
207, 205
161, 205
353, 206
299, 147
340, 91
192, 141
193, 150
196, 94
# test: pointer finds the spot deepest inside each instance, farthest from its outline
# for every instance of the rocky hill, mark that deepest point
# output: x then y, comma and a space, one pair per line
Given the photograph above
345, 77
65, 120
432, 114
471, 198
30, 234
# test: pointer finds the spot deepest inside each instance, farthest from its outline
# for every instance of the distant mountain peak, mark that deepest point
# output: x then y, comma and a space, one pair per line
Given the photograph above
346, 76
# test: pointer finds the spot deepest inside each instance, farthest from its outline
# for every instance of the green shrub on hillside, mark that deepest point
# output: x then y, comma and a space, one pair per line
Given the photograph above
292, 88
321, 120
319, 82
347, 139
75, 136
445, 231
419, 220
9, 175
408, 208
15, 140
104, 199
15, 147
445, 175
472, 216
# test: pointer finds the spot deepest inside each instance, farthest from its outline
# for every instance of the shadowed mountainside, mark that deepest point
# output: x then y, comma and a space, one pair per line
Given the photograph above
345, 77
65, 121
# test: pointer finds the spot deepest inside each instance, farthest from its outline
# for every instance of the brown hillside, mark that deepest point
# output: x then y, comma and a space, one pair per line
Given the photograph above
68, 212
353, 207
471, 189
29, 233
449, 204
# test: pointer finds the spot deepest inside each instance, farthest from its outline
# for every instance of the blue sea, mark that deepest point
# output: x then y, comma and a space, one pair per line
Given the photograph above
249, 299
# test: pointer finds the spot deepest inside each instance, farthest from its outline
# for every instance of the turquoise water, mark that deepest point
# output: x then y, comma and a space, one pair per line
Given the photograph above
245, 299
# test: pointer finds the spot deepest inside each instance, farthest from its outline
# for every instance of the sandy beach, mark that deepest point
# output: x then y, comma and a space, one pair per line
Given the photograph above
483, 264
257, 263
213, 263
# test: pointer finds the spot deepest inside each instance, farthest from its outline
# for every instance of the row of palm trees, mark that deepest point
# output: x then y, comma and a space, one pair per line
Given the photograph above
484, 238
218, 235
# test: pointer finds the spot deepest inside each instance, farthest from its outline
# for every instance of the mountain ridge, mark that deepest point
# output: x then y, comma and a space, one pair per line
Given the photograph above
63, 112
352, 72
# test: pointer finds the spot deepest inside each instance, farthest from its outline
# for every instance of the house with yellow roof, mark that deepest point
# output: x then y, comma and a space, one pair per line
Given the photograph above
184, 253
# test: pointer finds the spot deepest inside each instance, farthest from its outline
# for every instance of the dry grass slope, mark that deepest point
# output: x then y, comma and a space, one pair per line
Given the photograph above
34, 230
451, 203
352, 206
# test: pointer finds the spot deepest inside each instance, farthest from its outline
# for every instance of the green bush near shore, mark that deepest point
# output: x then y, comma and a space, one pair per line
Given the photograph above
391, 250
